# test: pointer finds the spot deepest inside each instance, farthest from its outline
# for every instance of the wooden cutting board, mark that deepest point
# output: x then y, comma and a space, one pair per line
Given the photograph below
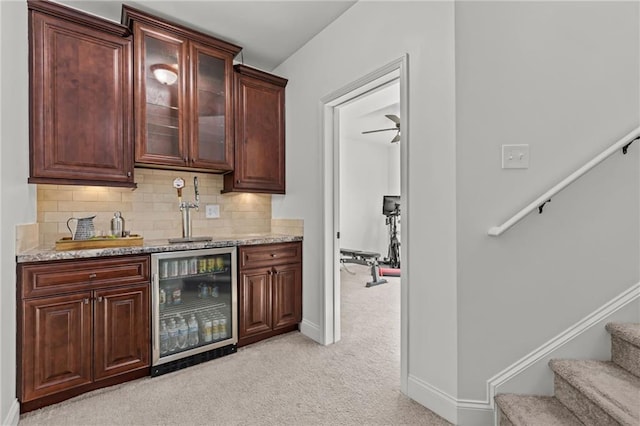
67, 243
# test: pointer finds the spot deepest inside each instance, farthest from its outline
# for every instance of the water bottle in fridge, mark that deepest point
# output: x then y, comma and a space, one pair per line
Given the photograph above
164, 338
173, 335
193, 331
183, 332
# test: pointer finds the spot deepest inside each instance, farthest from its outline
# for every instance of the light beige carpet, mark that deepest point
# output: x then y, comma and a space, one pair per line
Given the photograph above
286, 380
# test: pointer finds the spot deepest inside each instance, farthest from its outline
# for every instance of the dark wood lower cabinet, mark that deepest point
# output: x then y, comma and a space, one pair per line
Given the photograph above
287, 295
94, 336
56, 337
121, 331
270, 293
255, 296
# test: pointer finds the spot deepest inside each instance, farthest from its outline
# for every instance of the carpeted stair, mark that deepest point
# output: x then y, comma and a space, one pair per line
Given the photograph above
587, 392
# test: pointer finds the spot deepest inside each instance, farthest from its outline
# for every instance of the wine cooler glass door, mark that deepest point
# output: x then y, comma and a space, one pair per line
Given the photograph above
194, 302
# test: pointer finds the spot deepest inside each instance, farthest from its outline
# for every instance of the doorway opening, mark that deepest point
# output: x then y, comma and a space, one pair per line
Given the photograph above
391, 77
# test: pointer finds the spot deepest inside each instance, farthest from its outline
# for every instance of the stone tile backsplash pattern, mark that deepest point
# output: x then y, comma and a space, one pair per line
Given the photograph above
151, 210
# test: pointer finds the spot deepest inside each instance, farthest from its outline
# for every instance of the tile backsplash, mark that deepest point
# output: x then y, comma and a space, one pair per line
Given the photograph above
151, 209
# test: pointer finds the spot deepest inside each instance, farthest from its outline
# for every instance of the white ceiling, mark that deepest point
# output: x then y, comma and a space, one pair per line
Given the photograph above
368, 113
268, 31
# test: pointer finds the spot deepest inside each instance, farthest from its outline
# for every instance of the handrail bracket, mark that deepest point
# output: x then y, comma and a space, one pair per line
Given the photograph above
626, 147
541, 206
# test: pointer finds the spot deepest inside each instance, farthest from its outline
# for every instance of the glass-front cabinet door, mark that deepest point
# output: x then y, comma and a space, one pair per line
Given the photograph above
161, 134
211, 130
183, 95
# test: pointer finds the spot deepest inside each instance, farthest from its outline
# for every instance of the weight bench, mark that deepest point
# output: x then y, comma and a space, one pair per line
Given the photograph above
367, 258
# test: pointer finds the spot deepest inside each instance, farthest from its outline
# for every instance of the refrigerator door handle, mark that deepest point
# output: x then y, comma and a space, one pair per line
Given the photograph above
155, 290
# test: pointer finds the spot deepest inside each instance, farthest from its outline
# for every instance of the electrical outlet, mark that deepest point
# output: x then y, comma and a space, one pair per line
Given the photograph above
212, 211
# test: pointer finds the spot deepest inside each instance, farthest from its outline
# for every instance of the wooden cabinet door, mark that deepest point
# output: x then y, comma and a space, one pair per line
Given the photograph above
287, 295
259, 133
186, 124
122, 336
255, 302
160, 109
81, 100
211, 108
56, 344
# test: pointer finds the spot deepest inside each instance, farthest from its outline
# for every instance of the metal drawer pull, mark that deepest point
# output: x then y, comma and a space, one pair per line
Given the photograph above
99, 299
274, 255
86, 300
92, 275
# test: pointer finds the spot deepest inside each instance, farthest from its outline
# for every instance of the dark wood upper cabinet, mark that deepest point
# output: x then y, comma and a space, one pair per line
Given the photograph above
80, 98
259, 132
182, 95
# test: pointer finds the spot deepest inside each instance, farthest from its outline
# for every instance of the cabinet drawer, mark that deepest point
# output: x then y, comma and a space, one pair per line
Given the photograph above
50, 278
270, 254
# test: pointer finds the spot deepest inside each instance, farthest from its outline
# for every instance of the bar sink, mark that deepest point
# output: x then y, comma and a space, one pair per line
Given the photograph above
189, 239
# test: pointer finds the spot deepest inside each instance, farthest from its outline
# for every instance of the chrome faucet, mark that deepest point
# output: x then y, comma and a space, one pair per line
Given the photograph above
185, 206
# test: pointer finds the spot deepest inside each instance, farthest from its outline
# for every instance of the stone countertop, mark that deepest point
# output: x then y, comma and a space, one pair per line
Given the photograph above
44, 254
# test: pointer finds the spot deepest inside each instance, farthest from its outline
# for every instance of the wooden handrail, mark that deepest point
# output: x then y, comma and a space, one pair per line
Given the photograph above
539, 202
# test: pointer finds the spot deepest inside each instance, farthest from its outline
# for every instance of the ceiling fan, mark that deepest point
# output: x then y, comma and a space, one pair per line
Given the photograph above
396, 120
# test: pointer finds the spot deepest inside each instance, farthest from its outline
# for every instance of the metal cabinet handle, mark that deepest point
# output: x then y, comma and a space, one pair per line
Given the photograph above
92, 275
128, 174
274, 255
86, 300
99, 299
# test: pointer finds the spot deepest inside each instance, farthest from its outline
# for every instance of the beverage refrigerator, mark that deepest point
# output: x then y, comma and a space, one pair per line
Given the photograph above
194, 307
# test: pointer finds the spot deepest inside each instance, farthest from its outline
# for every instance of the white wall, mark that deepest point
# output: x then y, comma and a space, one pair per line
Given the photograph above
562, 77
17, 198
345, 51
368, 171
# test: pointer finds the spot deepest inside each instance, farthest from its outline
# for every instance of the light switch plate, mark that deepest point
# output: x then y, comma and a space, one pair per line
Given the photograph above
515, 156
212, 211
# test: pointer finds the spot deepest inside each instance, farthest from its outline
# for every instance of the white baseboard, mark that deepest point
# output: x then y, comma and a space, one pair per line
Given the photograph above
545, 351
481, 412
13, 416
312, 331
456, 411
433, 398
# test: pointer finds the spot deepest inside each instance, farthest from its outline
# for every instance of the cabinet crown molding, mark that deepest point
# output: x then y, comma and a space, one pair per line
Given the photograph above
78, 16
262, 75
130, 14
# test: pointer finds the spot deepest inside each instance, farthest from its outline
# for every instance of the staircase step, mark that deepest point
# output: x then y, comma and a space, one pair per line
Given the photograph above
533, 410
625, 345
599, 393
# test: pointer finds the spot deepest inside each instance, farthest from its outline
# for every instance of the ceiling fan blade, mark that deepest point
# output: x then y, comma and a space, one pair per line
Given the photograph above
396, 139
379, 130
393, 118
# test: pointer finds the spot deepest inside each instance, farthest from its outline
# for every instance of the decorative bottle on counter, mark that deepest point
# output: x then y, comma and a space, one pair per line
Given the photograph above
117, 225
